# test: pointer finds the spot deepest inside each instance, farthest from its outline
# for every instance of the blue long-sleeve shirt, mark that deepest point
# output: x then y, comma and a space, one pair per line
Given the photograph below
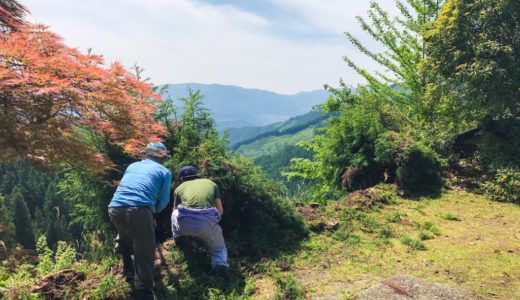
145, 183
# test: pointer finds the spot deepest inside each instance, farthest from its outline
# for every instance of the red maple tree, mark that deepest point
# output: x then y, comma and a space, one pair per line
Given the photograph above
11, 14
55, 100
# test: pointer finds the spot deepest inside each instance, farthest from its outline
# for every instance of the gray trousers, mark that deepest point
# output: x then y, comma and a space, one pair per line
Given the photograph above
206, 230
136, 236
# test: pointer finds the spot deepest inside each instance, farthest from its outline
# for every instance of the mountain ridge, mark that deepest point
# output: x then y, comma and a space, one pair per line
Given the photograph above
246, 135
235, 107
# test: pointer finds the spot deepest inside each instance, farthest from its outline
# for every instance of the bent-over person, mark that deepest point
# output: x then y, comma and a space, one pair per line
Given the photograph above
143, 190
198, 209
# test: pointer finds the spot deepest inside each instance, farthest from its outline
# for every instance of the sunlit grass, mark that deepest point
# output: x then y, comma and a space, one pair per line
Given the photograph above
479, 253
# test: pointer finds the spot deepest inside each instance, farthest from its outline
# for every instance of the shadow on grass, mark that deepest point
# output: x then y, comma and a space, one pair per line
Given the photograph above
187, 272
427, 193
256, 230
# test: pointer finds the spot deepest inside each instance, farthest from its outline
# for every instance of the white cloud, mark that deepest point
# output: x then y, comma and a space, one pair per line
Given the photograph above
334, 15
187, 41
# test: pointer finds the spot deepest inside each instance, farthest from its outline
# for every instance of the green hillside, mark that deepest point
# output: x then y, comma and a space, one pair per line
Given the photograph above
273, 144
274, 153
248, 135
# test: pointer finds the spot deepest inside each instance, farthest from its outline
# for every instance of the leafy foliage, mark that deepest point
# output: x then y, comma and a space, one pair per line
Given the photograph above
7, 229
256, 223
348, 140
505, 187
88, 195
418, 170
404, 50
11, 14
388, 127
54, 218
474, 46
359, 145
56, 98
276, 164
45, 262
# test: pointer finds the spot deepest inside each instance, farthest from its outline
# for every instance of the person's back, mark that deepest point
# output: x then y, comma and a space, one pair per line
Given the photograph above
198, 209
143, 183
196, 193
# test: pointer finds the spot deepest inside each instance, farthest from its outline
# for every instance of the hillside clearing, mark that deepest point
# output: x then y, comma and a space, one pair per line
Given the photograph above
480, 253
273, 144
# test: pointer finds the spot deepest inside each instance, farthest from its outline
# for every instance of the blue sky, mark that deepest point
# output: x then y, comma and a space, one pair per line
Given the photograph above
284, 46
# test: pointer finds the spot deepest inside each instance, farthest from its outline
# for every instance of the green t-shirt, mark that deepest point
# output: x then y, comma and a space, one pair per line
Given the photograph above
196, 193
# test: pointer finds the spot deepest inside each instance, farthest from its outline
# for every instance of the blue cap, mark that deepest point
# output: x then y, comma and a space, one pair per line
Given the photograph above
156, 146
187, 172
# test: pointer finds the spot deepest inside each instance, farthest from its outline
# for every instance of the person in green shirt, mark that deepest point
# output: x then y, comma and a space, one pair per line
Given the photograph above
197, 211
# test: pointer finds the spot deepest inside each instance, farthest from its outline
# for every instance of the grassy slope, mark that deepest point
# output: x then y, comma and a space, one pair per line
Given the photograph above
272, 144
480, 253
247, 135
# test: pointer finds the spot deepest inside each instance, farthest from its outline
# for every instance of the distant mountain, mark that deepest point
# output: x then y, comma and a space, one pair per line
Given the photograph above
235, 107
274, 146
247, 135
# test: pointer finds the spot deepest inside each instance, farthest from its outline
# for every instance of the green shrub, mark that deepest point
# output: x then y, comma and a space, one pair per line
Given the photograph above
287, 288
389, 147
412, 243
426, 235
418, 170
450, 217
414, 167
45, 263
257, 222
505, 187
110, 287
395, 217
343, 155
499, 150
48, 261
386, 232
431, 227
15, 284
65, 256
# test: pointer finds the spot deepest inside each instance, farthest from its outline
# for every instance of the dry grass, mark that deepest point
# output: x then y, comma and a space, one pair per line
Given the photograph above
264, 289
480, 253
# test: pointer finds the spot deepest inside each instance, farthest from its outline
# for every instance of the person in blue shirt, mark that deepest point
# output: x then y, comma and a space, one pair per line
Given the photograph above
143, 190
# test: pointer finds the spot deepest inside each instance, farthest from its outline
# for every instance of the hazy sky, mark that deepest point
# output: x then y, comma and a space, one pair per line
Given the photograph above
285, 46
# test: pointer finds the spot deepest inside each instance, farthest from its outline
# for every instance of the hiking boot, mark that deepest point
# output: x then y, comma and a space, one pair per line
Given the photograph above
220, 271
222, 276
145, 294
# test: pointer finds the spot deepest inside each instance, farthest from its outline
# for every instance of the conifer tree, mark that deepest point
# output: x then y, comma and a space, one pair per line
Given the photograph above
7, 234
33, 192
9, 180
22, 220
55, 211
